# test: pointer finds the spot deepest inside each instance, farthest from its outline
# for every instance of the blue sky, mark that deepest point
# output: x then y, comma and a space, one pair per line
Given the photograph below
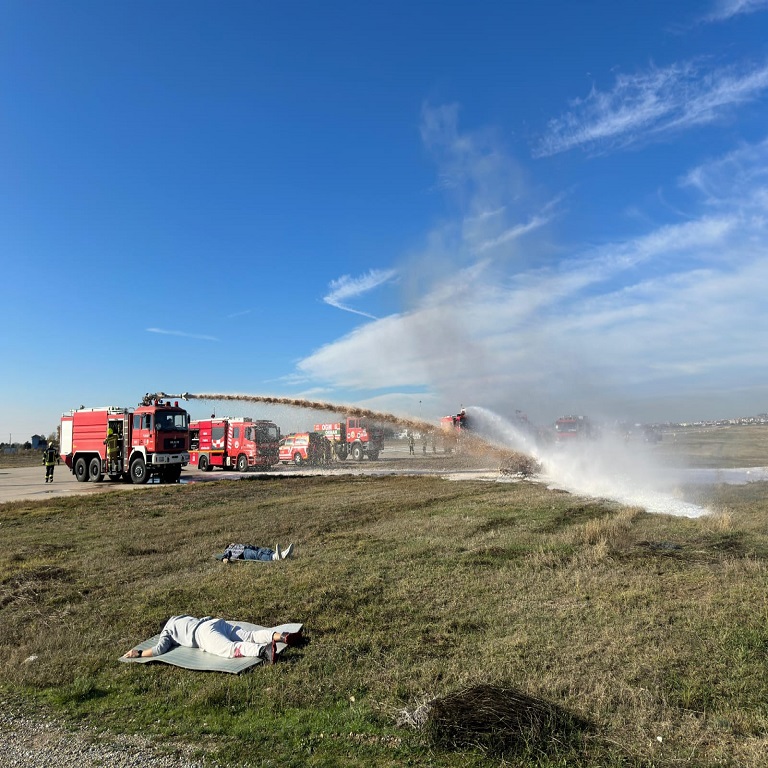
556, 207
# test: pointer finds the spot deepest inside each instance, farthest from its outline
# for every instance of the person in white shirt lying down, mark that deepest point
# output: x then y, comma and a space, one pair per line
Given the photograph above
217, 636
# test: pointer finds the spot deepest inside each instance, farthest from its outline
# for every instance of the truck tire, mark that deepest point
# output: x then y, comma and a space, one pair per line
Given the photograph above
139, 474
94, 470
373, 455
297, 460
357, 452
242, 463
203, 465
81, 470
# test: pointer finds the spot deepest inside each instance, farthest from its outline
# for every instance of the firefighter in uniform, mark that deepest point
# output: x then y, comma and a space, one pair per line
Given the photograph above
50, 458
113, 449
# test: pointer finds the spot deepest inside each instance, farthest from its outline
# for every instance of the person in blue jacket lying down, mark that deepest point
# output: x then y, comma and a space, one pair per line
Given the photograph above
252, 552
216, 636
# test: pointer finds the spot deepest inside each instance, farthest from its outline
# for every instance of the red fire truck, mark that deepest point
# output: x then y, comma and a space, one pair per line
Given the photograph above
152, 440
236, 443
353, 437
452, 427
303, 448
459, 421
569, 428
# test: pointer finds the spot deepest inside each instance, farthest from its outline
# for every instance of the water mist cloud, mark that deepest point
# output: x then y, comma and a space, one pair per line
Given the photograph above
604, 467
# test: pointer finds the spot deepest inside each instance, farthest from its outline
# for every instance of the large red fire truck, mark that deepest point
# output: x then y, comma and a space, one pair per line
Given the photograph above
236, 443
353, 437
152, 440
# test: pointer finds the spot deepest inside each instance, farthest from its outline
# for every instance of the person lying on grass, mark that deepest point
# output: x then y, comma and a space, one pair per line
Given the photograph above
217, 636
252, 552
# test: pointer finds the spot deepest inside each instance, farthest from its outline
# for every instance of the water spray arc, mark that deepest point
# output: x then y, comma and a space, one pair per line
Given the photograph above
314, 405
592, 472
473, 443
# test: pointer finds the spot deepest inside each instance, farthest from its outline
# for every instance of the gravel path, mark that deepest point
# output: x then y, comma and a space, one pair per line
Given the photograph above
43, 741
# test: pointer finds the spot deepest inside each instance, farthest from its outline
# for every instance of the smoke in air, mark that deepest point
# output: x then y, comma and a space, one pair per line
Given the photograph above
605, 468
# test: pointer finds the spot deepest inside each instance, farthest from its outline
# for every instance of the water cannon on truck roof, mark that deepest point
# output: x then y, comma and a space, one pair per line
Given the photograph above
152, 398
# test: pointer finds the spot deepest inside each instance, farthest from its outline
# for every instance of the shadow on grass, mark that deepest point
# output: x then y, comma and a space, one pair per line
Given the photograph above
79, 691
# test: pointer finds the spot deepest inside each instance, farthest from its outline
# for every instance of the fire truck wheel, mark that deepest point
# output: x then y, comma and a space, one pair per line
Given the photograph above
81, 470
139, 474
297, 460
203, 465
357, 452
373, 455
242, 463
94, 470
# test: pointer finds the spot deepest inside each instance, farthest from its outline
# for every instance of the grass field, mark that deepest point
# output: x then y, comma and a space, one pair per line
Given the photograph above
21, 458
651, 629
717, 447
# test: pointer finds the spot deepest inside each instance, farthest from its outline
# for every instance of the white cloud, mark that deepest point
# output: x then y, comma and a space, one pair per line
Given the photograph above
674, 315
346, 288
650, 104
726, 9
181, 333
513, 233
722, 182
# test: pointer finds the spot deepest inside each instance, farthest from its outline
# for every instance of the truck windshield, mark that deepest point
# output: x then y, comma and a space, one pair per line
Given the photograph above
171, 421
266, 433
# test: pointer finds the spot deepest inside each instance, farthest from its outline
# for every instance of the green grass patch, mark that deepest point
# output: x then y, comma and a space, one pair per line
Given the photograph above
651, 629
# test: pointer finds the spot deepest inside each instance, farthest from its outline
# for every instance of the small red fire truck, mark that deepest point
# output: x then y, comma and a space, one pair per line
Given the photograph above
452, 428
236, 443
353, 437
457, 422
303, 448
150, 440
569, 428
